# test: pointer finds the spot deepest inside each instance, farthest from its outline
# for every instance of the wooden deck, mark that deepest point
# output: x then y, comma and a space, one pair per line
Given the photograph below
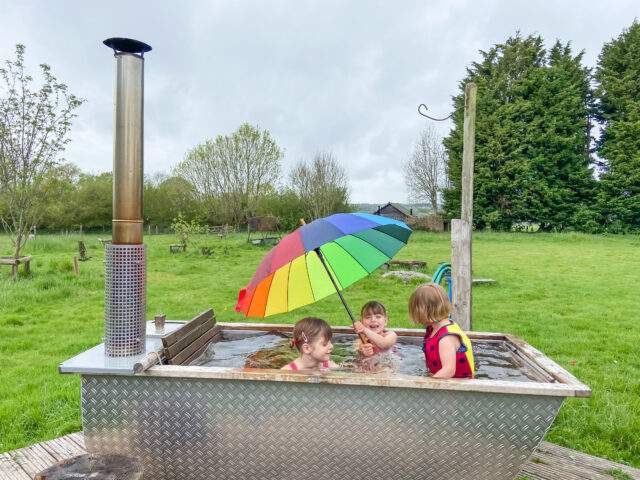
549, 462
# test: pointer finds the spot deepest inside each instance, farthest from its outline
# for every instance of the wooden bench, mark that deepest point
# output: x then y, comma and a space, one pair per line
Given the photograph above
187, 343
14, 262
413, 264
177, 246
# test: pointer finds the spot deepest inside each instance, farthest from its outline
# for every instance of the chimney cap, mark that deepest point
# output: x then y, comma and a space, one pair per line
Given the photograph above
127, 45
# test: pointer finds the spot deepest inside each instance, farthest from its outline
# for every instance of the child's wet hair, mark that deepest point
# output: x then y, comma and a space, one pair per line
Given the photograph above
374, 307
429, 303
310, 329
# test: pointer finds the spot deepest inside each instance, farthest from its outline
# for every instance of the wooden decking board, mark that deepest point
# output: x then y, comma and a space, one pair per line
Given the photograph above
78, 439
552, 461
10, 470
63, 448
33, 459
549, 461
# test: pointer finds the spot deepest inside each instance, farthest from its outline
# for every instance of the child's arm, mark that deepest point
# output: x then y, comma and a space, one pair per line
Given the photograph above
448, 346
381, 342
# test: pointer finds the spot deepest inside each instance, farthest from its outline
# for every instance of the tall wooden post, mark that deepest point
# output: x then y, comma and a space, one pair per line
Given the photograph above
468, 149
461, 275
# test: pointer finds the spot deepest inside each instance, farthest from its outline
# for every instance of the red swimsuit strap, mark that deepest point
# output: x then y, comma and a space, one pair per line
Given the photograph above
295, 367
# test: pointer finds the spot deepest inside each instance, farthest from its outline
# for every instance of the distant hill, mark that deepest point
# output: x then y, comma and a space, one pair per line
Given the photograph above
419, 209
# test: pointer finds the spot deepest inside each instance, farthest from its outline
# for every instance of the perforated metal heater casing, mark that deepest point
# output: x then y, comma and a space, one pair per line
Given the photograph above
125, 300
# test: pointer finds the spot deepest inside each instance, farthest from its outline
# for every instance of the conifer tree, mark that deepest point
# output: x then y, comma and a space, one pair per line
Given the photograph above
618, 110
532, 137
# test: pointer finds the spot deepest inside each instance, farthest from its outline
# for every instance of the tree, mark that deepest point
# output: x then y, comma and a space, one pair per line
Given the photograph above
233, 172
287, 206
61, 184
186, 231
532, 137
166, 196
618, 109
424, 172
321, 185
93, 201
33, 131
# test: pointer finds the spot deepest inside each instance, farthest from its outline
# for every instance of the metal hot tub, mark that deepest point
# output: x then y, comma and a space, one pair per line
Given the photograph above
188, 422
194, 422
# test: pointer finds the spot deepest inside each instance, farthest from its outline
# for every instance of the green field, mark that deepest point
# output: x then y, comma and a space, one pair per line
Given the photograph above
572, 296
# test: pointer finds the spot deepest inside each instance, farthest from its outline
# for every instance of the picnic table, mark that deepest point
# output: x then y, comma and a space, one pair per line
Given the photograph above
177, 246
14, 262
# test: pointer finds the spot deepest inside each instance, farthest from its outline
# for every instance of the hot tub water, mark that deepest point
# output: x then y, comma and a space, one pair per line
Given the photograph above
494, 360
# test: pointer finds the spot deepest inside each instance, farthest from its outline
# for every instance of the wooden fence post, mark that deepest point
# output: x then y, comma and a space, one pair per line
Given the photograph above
468, 149
75, 265
461, 245
461, 272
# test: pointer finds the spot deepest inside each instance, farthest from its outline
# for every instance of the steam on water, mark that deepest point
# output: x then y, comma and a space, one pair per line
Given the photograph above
493, 360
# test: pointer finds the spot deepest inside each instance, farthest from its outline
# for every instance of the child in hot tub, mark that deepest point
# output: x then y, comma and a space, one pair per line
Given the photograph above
312, 338
446, 347
373, 319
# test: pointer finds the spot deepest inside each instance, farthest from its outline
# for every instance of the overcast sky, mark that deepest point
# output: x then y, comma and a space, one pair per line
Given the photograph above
341, 76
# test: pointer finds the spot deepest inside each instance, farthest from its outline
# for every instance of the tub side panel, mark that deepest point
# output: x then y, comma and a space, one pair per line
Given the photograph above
211, 428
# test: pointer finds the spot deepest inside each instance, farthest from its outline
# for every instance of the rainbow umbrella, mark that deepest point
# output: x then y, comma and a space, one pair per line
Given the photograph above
319, 259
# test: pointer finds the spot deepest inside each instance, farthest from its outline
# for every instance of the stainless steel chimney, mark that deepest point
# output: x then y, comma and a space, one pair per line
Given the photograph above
126, 258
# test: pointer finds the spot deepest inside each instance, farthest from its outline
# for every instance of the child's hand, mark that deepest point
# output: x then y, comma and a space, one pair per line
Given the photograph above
366, 349
358, 327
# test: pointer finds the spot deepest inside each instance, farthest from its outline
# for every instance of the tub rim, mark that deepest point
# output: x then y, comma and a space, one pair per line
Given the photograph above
565, 384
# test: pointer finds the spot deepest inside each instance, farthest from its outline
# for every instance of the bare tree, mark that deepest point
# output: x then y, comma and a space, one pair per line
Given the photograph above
234, 172
424, 171
321, 185
33, 131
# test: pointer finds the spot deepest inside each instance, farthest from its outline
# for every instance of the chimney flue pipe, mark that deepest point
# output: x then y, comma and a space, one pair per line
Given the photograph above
128, 140
125, 303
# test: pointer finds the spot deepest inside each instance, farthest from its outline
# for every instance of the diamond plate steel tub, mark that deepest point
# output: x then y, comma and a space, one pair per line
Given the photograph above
191, 422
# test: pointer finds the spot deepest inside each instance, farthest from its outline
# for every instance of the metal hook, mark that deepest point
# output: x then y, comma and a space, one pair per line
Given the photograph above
431, 118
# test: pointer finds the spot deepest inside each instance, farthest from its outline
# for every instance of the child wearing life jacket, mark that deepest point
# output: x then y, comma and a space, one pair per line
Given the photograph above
373, 319
446, 348
312, 338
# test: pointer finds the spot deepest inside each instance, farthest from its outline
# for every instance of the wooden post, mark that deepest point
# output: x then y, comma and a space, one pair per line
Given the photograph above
461, 247
468, 148
75, 264
461, 272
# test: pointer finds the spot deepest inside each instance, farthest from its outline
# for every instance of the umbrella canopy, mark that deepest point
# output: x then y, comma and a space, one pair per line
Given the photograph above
292, 274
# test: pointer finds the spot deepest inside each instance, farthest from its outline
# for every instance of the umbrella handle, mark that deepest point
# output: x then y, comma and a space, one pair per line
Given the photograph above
363, 339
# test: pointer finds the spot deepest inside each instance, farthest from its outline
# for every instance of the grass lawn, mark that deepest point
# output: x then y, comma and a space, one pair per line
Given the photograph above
572, 296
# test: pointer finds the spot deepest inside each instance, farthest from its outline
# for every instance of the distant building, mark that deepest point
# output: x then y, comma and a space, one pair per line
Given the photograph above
395, 211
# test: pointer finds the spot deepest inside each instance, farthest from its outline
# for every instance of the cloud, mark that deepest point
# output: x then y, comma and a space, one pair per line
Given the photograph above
333, 76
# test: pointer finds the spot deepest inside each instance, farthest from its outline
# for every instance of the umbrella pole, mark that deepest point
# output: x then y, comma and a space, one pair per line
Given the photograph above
363, 339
